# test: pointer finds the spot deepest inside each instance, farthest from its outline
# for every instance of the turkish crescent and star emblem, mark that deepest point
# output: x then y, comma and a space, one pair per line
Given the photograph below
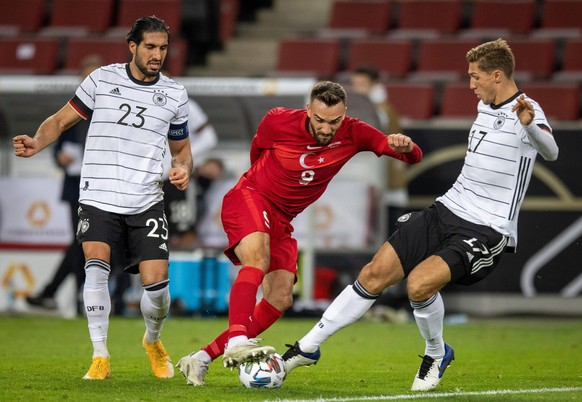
304, 163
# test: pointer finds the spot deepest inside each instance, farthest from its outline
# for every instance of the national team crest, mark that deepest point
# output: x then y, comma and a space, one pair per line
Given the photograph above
499, 121
160, 99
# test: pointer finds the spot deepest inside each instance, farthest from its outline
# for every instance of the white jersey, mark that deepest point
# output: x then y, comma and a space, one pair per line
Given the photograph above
131, 122
497, 169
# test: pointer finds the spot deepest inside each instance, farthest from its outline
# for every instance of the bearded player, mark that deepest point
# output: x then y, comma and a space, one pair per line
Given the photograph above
294, 155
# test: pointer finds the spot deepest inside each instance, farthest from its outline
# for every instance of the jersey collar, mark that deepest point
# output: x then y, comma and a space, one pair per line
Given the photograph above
138, 82
495, 107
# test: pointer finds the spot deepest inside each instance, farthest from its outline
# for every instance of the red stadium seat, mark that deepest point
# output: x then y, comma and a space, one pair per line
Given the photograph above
534, 57
562, 14
319, 57
93, 15
168, 10
560, 20
443, 58
412, 101
110, 50
229, 10
391, 57
517, 17
572, 59
458, 101
28, 56
571, 63
372, 16
443, 16
25, 15
176, 59
559, 101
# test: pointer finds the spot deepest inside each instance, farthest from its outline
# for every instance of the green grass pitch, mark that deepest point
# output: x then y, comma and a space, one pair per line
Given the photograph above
44, 359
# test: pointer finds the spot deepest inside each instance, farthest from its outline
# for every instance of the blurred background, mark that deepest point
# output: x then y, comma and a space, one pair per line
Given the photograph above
403, 64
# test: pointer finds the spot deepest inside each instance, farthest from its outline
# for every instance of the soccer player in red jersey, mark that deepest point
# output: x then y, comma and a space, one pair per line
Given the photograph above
294, 155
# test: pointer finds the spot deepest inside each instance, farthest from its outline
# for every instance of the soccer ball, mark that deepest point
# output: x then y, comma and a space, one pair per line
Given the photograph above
268, 373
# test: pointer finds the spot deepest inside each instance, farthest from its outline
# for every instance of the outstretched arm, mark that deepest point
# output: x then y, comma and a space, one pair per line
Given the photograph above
47, 133
542, 140
403, 145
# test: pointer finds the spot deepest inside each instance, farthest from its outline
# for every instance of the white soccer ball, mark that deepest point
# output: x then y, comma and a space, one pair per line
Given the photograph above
268, 373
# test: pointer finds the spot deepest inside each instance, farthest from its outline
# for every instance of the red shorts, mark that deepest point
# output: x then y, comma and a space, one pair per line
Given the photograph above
245, 211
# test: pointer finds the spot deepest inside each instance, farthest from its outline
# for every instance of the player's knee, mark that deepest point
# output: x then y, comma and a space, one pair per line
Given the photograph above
379, 274
286, 303
372, 278
418, 290
280, 301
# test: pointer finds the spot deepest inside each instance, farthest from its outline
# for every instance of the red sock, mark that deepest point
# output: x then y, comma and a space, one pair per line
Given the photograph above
243, 297
264, 316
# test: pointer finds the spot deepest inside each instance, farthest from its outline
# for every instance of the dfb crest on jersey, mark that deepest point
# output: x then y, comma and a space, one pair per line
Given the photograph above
160, 99
499, 121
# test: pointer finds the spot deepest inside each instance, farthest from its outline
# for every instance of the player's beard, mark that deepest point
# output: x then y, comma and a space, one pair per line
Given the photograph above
143, 67
321, 139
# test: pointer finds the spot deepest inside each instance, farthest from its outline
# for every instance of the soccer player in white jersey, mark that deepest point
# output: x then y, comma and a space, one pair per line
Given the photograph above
462, 236
134, 111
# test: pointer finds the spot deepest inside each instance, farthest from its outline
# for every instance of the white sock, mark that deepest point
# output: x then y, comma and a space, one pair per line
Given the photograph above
429, 316
202, 355
346, 309
155, 304
97, 304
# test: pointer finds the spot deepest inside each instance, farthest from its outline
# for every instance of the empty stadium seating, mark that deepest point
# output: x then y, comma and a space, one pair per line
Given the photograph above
28, 56
168, 10
441, 16
571, 63
419, 46
92, 16
534, 58
111, 51
412, 100
562, 14
372, 16
560, 19
443, 59
393, 58
560, 101
318, 57
572, 59
23, 15
514, 16
229, 10
176, 58
458, 101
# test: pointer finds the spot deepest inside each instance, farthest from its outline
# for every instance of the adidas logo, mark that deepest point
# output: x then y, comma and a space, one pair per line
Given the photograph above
163, 247
115, 91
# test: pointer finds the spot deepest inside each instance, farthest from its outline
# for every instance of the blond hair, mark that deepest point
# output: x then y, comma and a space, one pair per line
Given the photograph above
494, 55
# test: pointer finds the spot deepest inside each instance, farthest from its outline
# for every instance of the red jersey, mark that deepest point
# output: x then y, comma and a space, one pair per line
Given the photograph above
292, 170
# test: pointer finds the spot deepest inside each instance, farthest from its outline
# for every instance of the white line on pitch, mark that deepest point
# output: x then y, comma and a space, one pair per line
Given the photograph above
438, 395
